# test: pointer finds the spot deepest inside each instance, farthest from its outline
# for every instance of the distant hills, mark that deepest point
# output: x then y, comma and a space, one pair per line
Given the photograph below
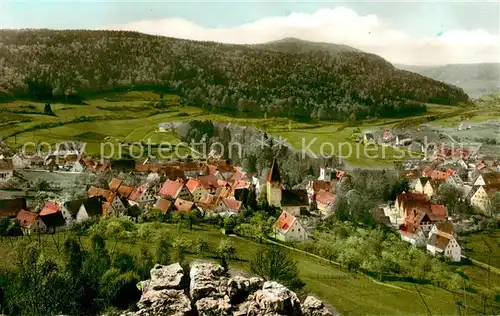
475, 79
290, 78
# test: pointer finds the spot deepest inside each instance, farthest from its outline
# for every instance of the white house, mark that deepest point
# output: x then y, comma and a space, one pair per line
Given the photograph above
78, 211
289, 228
6, 169
443, 242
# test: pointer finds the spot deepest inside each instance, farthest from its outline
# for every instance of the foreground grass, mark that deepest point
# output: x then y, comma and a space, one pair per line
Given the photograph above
349, 294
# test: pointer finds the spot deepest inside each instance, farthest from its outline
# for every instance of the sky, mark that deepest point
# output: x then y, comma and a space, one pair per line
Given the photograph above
411, 32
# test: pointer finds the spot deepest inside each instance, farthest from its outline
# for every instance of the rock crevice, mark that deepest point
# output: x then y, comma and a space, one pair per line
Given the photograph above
212, 292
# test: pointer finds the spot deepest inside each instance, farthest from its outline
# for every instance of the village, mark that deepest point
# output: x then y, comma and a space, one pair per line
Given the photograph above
214, 188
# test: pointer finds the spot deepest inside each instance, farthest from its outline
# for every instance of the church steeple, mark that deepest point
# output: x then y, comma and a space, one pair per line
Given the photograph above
274, 175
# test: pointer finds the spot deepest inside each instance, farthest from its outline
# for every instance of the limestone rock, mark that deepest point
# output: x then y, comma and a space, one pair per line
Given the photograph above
206, 280
276, 298
165, 277
314, 307
164, 302
210, 306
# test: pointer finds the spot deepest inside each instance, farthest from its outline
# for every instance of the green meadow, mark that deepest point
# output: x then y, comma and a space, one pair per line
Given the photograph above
129, 117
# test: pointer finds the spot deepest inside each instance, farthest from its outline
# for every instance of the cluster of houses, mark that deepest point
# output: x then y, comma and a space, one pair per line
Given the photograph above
421, 220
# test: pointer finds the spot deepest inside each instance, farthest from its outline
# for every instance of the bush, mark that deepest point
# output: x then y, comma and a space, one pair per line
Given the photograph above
274, 264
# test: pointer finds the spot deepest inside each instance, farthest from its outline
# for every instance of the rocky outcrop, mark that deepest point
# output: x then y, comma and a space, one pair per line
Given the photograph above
211, 292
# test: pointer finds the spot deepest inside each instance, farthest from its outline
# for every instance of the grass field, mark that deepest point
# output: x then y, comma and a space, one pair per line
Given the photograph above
130, 117
484, 247
350, 294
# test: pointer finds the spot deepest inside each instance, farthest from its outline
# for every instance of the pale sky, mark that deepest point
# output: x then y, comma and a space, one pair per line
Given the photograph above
415, 32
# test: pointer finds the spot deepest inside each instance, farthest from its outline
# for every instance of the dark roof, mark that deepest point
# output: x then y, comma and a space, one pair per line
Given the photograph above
424, 180
294, 198
134, 211
53, 220
10, 208
73, 206
274, 174
123, 164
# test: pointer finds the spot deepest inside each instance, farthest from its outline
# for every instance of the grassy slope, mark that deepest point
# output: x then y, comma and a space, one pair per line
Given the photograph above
349, 294
478, 247
127, 117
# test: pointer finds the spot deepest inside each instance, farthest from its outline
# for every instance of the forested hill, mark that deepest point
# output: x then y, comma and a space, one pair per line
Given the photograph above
313, 84
295, 45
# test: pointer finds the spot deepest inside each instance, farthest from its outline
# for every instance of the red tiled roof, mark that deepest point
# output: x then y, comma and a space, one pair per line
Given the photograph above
114, 184
274, 173
325, 197
319, 185
50, 208
137, 193
183, 206
208, 202
125, 190
105, 208
171, 188
438, 212
285, 221
210, 182
26, 218
232, 205
237, 175
241, 184
108, 195
163, 205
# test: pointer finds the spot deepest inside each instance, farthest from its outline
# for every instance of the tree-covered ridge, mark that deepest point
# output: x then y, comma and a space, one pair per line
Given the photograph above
48, 64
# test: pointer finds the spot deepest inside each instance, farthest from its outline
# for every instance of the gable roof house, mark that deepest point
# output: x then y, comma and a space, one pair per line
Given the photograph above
290, 228
325, 201
78, 211
163, 205
432, 186
196, 188
442, 241
294, 201
175, 189
488, 178
10, 207
183, 206
111, 202
52, 217
6, 169
482, 196
141, 196
30, 222
228, 207
313, 187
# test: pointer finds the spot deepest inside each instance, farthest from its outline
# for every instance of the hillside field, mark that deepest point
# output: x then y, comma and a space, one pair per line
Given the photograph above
350, 294
131, 117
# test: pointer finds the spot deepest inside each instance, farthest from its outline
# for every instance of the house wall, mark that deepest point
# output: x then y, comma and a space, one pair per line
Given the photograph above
118, 207
479, 181
273, 194
293, 210
418, 187
428, 190
453, 251
198, 193
37, 226
480, 199
184, 194
296, 232
18, 162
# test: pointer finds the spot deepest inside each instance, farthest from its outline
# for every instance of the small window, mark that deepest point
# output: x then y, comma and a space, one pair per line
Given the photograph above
299, 229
